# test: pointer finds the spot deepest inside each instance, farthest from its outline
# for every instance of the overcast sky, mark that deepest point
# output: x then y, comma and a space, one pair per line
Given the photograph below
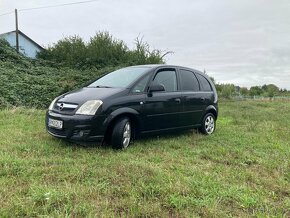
245, 42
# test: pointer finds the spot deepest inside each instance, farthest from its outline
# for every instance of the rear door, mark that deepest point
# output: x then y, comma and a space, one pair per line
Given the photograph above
162, 109
191, 98
206, 93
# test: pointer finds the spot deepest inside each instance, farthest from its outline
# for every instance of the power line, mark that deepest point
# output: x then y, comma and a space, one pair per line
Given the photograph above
59, 5
51, 6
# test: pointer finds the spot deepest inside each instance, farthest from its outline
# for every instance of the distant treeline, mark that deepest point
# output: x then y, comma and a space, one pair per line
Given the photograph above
231, 90
102, 50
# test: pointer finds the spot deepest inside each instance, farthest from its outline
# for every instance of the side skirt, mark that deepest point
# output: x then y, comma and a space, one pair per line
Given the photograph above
170, 129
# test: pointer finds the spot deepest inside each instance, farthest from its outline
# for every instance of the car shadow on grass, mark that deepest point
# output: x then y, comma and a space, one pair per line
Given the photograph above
167, 135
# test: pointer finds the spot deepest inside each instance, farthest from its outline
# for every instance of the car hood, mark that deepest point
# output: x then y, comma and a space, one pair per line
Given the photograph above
82, 95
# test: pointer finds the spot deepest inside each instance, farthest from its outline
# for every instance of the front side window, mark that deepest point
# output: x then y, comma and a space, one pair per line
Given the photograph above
188, 81
167, 78
204, 83
140, 86
120, 78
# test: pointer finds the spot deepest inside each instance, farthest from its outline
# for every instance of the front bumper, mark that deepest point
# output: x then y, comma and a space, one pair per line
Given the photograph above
77, 127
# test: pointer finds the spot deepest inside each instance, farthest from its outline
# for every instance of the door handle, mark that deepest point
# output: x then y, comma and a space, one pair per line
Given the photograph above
202, 99
177, 100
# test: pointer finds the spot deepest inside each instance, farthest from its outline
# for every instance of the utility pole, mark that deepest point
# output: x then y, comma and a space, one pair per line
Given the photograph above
17, 31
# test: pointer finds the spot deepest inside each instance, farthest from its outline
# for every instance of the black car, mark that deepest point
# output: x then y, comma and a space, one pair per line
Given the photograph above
135, 100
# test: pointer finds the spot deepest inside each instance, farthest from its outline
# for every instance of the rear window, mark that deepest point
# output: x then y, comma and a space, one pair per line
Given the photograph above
188, 81
204, 83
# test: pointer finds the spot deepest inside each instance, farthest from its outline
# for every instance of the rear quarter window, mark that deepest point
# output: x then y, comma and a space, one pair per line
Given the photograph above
204, 83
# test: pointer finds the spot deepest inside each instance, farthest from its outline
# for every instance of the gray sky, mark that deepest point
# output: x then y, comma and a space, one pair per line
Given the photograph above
245, 42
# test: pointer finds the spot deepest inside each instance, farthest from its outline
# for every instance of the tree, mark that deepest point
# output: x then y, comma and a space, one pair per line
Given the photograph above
255, 91
244, 91
213, 80
226, 90
102, 50
142, 54
70, 51
270, 90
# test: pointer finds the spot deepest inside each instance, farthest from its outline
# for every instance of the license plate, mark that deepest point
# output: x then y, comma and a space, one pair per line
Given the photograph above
55, 123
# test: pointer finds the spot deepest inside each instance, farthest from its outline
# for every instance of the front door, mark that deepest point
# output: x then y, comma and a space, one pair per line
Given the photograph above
162, 109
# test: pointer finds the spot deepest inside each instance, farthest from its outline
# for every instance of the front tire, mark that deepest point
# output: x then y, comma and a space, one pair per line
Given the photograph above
208, 124
122, 133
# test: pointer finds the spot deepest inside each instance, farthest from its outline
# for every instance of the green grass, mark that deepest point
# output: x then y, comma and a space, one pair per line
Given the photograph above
242, 170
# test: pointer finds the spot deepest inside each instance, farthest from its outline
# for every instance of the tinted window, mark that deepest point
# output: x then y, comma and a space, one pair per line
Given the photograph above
167, 79
140, 86
204, 84
188, 81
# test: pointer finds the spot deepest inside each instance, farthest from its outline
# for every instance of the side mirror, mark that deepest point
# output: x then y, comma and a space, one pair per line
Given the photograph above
156, 88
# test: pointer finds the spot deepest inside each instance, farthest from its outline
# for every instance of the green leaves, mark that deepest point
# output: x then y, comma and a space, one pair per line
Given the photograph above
34, 83
67, 65
100, 51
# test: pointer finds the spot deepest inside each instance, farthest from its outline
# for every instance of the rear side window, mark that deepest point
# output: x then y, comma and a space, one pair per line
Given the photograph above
204, 83
167, 78
188, 81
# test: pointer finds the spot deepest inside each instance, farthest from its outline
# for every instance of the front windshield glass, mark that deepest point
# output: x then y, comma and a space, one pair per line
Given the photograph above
120, 78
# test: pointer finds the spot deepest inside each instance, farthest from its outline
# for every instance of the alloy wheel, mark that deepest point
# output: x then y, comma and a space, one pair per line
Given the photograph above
209, 125
126, 135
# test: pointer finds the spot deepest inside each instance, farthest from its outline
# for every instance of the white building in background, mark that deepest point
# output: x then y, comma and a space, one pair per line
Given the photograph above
27, 46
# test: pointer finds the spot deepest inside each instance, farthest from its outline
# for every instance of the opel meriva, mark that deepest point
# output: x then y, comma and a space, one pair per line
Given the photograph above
135, 100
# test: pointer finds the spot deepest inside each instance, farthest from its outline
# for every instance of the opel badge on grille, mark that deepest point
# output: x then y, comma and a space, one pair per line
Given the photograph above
60, 107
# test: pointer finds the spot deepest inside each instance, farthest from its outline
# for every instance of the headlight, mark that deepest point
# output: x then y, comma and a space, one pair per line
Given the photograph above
90, 107
52, 104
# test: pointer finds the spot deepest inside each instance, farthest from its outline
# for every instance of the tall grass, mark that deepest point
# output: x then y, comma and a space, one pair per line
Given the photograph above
241, 170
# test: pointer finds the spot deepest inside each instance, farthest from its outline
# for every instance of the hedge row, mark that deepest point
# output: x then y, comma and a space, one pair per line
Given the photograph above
34, 83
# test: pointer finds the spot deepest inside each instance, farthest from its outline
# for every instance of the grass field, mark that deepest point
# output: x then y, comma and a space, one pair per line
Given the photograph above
242, 170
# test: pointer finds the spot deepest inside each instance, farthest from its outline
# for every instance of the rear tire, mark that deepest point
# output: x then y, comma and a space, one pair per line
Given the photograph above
122, 133
208, 124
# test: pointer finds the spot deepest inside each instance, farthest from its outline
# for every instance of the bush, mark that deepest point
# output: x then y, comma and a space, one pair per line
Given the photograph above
226, 90
69, 64
102, 50
34, 83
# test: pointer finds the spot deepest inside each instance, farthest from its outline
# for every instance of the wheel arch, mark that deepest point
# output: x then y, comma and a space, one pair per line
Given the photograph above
211, 109
132, 114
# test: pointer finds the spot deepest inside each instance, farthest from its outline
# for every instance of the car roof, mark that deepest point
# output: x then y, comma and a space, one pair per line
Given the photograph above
154, 66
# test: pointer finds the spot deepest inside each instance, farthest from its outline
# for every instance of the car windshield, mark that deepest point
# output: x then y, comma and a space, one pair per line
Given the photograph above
120, 78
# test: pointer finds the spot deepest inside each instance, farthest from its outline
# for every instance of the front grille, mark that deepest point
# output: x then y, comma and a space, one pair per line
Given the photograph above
65, 108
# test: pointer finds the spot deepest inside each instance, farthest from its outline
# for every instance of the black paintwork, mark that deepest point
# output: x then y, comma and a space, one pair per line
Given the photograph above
150, 111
